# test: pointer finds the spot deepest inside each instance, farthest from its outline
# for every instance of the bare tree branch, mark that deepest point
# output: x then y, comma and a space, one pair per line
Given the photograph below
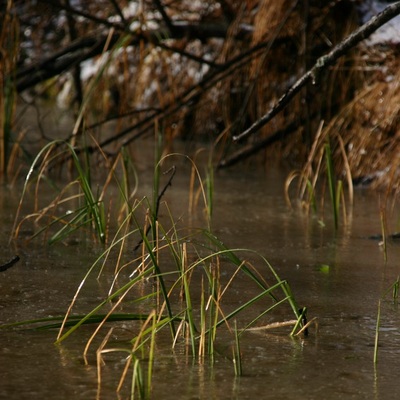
62, 61
164, 15
322, 63
119, 12
75, 11
190, 96
91, 46
254, 148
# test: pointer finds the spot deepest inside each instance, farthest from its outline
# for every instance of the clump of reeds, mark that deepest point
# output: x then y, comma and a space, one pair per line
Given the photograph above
169, 281
76, 206
176, 283
319, 172
369, 127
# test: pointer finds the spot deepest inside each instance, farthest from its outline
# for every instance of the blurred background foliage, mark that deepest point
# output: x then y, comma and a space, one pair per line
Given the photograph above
204, 71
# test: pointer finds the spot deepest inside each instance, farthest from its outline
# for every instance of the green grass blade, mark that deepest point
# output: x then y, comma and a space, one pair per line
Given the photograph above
95, 311
331, 182
248, 303
378, 323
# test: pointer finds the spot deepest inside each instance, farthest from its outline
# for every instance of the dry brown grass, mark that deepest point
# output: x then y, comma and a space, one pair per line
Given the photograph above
358, 98
369, 124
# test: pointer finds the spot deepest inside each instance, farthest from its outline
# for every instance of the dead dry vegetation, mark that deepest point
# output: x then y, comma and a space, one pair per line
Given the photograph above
207, 70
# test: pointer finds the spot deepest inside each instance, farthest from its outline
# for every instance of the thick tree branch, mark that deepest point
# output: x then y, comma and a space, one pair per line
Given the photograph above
164, 15
9, 264
90, 17
254, 148
119, 12
188, 97
92, 46
322, 63
62, 61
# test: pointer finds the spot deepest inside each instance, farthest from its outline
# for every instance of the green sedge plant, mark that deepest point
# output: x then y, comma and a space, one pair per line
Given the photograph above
320, 171
168, 284
87, 206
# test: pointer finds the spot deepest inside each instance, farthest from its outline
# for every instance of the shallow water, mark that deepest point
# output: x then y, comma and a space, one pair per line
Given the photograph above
334, 362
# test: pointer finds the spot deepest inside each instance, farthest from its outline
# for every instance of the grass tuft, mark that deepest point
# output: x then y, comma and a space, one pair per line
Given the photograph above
175, 285
321, 170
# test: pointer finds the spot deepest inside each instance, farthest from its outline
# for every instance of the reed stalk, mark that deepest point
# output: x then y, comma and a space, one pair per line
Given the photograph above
384, 231
378, 323
137, 380
394, 290
237, 357
395, 293
9, 49
332, 184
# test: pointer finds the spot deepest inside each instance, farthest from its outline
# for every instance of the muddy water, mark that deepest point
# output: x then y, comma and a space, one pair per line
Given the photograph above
334, 362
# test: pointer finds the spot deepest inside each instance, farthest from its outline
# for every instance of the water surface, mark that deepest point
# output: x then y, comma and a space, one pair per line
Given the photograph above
339, 277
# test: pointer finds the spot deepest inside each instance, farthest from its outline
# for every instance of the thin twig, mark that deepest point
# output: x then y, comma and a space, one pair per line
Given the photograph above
254, 148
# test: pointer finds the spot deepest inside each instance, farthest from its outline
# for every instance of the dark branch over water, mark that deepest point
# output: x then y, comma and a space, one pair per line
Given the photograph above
9, 264
322, 63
